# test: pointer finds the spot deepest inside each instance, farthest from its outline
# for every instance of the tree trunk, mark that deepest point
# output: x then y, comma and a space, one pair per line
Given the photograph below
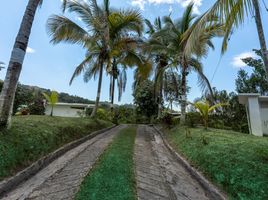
183, 100
52, 108
258, 21
94, 112
112, 93
160, 100
113, 77
15, 64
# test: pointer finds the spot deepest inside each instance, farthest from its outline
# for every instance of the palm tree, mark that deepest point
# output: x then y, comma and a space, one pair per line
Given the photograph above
52, 100
205, 109
15, 64
233, 14
179, 32
161, 57
106, 39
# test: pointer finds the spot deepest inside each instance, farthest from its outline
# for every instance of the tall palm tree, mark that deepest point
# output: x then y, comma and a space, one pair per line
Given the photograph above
15, 64
160, 56
179, 33
233, 14
106, 39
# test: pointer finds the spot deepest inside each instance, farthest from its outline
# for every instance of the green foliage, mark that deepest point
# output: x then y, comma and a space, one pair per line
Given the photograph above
32, 137
193, 119
52, 99
256, 82
233, 116
102, 114
144, 100
234, 161
172, 87
125, 114
113, 176
167, 118
205, 109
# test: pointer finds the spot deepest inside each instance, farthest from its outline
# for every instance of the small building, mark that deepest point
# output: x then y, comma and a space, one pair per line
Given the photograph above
68, 109
257, 112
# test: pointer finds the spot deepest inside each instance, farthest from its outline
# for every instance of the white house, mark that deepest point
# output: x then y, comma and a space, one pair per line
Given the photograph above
257, 112
68, 109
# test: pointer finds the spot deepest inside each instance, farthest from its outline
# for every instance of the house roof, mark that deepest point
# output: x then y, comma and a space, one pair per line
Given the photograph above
243, 97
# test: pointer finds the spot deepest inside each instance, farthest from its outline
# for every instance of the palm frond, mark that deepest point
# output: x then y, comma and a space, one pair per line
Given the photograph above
62, 29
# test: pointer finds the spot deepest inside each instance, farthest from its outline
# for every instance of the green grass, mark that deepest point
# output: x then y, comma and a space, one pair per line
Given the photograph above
236, 162
113, 176
32, 137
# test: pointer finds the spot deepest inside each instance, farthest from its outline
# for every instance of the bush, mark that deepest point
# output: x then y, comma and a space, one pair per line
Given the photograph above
167, 118
37, 107
193, 119
102, 114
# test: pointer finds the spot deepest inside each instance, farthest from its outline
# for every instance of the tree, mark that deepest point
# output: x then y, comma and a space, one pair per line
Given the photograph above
256, 82
107, 38
179, 32
204, 109
52, 100
160, 56
15, 64
144, 99
234, 115
233, 14
171, 87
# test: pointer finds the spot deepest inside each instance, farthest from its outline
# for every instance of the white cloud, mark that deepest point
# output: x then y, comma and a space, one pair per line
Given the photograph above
170, 9
182, 3
237, 60
30, 50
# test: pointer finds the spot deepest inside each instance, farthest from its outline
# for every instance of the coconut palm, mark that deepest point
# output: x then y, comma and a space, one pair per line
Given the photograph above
205, 109
179, 32
106, 37
52, 100
15, 64
160, 56
233, 14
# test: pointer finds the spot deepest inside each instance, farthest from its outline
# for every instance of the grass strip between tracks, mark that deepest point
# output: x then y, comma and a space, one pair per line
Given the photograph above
113, 176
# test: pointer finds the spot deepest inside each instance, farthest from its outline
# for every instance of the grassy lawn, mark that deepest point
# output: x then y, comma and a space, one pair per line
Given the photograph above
113, 176
236, 162
32, 137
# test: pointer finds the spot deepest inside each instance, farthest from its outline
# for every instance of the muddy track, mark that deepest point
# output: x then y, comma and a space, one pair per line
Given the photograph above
61, 178
159, 175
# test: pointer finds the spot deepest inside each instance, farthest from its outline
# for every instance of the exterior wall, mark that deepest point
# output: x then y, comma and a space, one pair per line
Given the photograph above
255, 116
63, 111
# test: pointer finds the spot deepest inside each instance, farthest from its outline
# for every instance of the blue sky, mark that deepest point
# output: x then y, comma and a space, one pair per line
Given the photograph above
51, 66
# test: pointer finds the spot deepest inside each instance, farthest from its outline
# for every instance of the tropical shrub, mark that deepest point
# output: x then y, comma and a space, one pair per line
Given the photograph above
102, 114
52, 100
193, 119
204, 109
167, 118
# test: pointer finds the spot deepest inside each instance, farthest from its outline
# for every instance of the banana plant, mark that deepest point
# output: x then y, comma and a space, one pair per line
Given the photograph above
204, 109
52, 100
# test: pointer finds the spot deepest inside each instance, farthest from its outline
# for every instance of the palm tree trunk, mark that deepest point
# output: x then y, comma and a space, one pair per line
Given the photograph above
160, 98
183, 90
112, 93
258, 21
15, 64
113, 77
94, 112
52, 108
